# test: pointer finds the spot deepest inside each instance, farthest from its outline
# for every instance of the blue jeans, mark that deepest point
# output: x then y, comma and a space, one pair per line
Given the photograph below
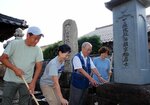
77, 96
10, 90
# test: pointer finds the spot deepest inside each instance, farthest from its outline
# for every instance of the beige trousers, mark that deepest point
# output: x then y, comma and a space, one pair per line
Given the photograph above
50, 95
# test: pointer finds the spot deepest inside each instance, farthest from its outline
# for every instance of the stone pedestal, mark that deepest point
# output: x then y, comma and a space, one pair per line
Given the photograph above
123, 94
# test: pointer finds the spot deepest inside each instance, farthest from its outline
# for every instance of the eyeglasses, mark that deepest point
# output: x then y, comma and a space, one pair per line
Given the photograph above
88, 49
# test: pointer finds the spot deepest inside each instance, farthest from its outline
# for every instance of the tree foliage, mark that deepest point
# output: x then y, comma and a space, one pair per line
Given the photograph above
51, 51
94, 40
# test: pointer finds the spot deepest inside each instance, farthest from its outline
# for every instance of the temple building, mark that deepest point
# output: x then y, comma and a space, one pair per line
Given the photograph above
8, 25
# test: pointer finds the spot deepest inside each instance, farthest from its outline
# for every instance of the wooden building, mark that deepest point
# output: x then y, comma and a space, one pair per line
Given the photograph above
8, 25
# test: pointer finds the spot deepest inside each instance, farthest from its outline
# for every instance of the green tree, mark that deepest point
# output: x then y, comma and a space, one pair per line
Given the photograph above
51, 51
94, 40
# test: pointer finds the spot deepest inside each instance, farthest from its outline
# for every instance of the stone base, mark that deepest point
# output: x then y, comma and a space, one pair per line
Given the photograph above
111, 93
65, 79
123, 94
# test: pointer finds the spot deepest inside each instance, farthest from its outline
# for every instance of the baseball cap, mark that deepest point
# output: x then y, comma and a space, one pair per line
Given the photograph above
35, 31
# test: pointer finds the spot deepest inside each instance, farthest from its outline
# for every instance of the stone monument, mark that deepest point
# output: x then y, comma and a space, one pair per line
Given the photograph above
131, 58
131, 61
70, 37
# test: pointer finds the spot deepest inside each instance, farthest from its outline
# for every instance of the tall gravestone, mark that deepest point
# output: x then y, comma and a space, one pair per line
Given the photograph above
131, 58
70, 37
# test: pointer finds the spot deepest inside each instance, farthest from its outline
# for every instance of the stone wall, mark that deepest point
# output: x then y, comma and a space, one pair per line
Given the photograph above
2, 72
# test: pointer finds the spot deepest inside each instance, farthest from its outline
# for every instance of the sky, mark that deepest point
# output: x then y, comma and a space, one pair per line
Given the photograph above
49, 16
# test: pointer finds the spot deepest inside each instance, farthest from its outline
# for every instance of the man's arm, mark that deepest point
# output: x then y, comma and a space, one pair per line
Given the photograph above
5, 60
38, 68
83, 72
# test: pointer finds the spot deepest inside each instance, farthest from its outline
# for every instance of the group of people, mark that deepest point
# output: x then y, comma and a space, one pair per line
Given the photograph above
23, 59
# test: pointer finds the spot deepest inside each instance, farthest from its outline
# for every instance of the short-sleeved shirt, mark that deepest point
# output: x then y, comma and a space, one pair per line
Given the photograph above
103, 67
77, 63
53, 68
23, 57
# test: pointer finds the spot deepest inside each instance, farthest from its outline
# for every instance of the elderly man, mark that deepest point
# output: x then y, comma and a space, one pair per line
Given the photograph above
81, 77
18, 35
20, 57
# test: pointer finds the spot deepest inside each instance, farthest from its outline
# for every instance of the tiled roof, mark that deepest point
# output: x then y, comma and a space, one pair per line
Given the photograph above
8, 25
106, 32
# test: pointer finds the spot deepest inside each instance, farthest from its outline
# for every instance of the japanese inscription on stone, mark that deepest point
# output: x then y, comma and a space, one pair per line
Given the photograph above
67, 33
70, 37
125, 42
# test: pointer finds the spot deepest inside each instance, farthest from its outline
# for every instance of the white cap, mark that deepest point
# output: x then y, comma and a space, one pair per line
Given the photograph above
35, 31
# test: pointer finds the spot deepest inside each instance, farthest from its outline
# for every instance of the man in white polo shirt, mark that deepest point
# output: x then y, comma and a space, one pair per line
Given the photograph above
20, 57
83, 66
